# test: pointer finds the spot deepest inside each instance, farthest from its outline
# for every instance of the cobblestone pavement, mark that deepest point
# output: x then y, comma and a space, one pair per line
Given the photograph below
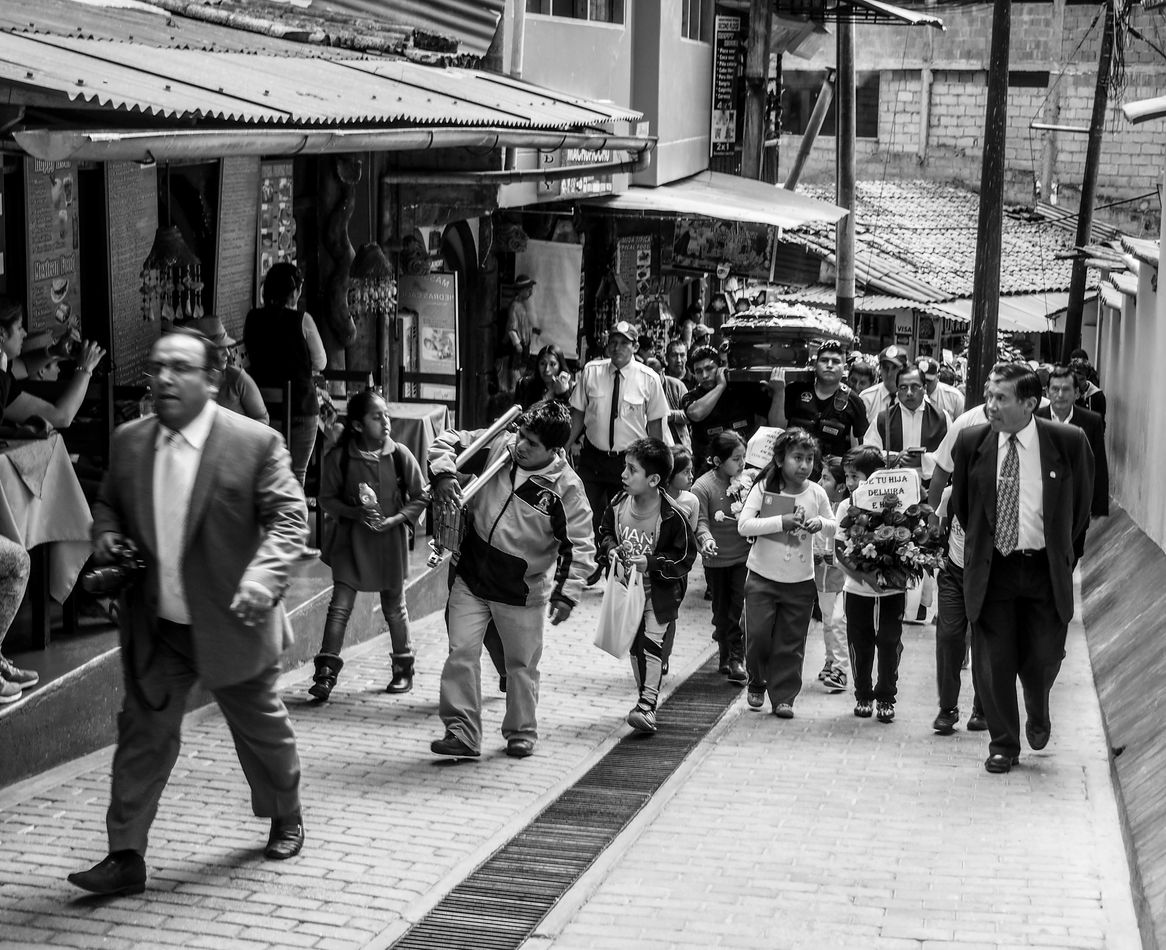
824, 830
830, 831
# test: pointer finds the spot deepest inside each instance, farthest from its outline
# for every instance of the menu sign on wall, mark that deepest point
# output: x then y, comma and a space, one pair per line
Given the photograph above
235, 251
728, 117
131, 197
50, 202
277, 223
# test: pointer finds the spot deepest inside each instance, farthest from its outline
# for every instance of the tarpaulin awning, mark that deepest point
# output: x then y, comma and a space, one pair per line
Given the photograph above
725, 197
1018, 313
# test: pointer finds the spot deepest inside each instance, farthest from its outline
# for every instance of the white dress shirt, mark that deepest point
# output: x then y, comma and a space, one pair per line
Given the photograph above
1068, 420
641, 400
947, 399
173, 483
877, 399
973, 417
1032, 512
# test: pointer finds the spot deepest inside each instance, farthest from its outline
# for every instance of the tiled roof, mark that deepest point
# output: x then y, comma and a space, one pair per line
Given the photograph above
917, 240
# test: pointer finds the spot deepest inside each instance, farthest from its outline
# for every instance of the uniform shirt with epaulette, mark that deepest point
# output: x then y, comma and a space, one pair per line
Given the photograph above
831, 420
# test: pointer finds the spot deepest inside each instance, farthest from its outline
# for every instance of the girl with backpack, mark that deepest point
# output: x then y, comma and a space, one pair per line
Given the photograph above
372, 491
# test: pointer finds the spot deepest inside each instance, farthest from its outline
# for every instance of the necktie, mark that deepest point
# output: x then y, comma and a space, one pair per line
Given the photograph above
1008, 501
175, 499
614, 412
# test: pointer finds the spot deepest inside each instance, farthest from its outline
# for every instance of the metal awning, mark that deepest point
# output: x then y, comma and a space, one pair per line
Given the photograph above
725, 197
1018, 313
324, 88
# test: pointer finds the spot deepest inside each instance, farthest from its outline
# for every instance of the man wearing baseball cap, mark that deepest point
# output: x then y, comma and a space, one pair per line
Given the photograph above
881, 396
615, 402
943, 397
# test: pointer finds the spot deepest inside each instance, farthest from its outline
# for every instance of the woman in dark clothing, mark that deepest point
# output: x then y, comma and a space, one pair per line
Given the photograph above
278, 352
550, 380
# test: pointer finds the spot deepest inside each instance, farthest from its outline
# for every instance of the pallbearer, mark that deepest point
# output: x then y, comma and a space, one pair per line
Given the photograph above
527, 544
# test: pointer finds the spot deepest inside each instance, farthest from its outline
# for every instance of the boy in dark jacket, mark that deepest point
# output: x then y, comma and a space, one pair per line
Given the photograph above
644, 529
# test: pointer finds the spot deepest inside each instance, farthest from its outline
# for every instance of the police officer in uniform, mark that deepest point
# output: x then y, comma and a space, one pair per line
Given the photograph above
825, 406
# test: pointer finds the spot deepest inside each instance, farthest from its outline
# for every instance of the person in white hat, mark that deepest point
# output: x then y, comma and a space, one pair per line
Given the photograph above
521, 328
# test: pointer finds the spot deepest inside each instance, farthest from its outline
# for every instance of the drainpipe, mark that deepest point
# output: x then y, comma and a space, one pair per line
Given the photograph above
517, 58
813, 127
926, 77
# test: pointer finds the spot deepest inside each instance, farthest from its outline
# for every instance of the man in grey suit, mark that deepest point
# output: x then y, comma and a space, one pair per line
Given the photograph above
207, 604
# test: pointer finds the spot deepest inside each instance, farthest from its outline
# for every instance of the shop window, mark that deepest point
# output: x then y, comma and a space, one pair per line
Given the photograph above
799, 92
696, 20
599, 11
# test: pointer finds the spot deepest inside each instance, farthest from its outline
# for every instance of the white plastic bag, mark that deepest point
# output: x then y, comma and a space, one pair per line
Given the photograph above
622, 610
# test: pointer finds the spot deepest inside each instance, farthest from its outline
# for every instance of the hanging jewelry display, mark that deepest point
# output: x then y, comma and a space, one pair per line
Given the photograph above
171, 279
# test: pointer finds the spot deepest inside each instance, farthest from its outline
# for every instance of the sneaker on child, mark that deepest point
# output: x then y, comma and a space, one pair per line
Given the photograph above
14, 674
835, 680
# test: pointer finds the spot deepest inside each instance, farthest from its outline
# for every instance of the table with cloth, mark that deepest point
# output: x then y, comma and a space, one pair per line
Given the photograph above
43, 508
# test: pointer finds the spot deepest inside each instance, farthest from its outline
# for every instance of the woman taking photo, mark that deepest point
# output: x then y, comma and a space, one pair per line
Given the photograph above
550, 380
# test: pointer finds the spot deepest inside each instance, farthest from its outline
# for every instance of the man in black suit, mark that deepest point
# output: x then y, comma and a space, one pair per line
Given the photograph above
1021, 487
1063, 389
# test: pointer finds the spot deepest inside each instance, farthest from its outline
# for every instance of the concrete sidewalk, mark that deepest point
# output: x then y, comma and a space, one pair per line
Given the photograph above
825, 830
830, 831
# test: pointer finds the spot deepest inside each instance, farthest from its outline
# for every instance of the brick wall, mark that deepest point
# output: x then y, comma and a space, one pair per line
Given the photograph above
1045, 36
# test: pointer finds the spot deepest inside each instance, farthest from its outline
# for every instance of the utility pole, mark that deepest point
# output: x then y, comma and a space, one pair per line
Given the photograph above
756, 78
986, 283
1072, 337
845, 191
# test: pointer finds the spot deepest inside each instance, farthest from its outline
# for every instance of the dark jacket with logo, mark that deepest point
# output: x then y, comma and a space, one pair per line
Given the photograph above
668, 564
517, 535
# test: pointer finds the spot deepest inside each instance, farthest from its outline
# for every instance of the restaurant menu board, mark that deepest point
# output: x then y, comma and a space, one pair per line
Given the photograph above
277, 222
704, 243
54, 287
729, 40
131, 195
427, 305
235, 251
636, 271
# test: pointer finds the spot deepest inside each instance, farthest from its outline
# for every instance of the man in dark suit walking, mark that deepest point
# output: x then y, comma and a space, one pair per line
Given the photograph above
1063, 389
1022, 488
207, 604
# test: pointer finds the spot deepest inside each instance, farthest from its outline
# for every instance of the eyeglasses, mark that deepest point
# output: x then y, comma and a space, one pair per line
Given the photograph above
155, 368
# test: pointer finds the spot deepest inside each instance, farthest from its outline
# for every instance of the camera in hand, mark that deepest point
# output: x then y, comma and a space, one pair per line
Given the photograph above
111, 579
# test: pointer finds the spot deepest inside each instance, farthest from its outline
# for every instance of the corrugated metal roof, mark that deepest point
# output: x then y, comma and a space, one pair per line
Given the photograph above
472, 21
1111, 296
260, 88
1018, 313
1142, 249
727, 197
917, 239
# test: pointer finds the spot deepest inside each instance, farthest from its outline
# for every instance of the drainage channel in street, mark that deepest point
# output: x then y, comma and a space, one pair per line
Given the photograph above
499, 905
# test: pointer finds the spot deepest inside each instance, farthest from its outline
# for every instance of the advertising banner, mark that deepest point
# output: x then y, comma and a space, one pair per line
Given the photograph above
277, 223
728, 118
427, 306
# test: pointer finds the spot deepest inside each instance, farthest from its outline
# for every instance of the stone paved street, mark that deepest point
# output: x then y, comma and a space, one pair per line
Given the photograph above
823, 831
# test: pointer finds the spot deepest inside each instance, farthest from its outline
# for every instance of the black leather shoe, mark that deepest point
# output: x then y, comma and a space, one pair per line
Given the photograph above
944, 724
449, 744
999, 764
286, 839
518, 748
977, 723
123, 872
737, 674
1037, 735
